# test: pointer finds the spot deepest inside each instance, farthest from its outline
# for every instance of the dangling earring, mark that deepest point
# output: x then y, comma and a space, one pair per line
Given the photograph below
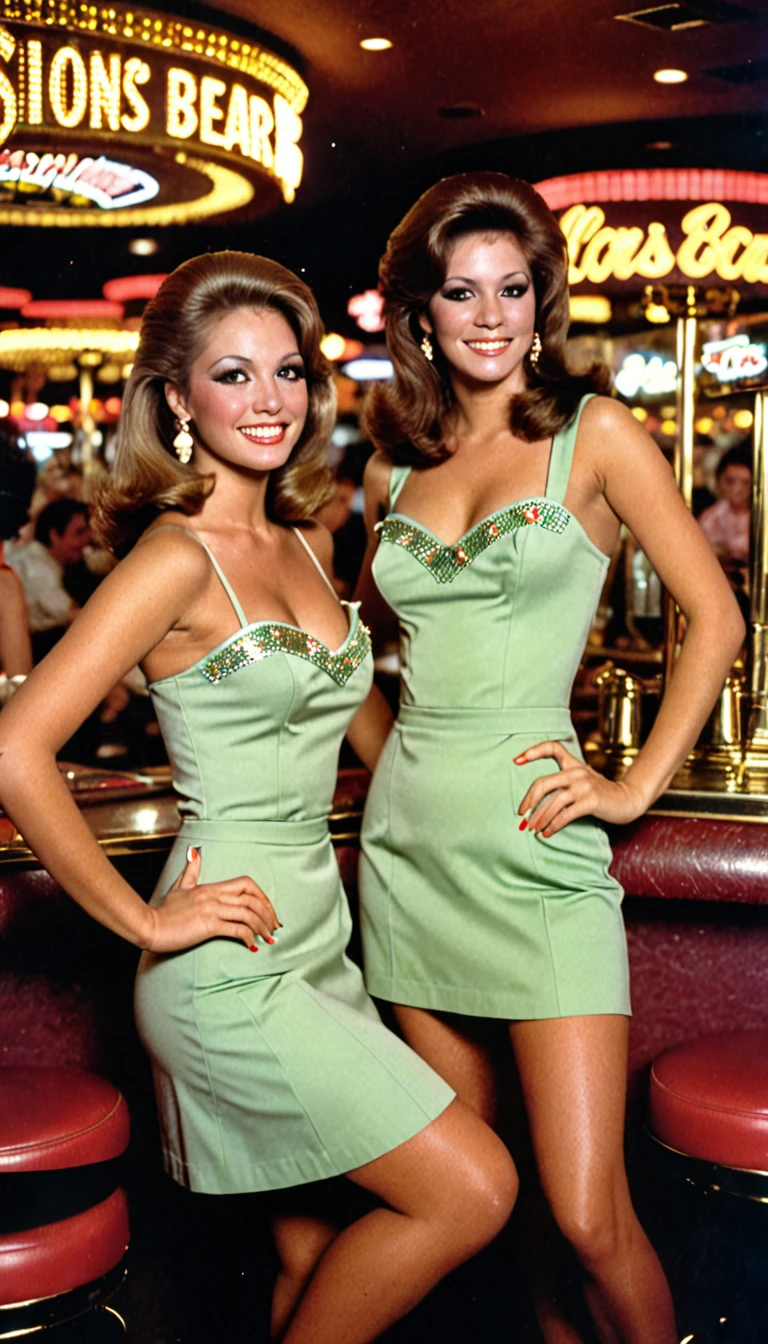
535, 348
426, 349
183, 443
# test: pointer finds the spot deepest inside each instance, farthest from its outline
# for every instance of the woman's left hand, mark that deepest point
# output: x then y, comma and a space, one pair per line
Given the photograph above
575, 791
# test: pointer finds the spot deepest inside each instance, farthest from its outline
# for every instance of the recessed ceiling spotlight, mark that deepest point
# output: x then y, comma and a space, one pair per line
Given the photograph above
375, 44
670, 76
142, 247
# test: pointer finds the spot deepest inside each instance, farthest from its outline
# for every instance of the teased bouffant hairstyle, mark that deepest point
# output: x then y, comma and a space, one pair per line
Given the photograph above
407, 417
147, 476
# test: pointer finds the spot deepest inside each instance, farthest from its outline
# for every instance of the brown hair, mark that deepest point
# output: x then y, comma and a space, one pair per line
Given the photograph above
407, 417
147, 477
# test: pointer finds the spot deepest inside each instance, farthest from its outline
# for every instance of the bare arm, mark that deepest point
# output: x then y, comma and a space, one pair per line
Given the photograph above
15, 645
639, 487
370, 728
129, 614
378, 615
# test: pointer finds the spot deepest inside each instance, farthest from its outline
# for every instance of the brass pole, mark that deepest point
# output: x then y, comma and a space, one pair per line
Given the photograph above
683, 454
756, 744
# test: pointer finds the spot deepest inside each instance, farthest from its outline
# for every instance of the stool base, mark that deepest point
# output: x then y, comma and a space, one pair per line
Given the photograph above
28, 1318
711, 1175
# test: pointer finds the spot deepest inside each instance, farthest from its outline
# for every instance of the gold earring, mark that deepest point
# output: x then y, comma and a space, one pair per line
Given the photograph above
535, 348
183, 443
426, 349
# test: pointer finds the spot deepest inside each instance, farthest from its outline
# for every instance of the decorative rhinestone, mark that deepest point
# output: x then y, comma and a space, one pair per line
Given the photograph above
251, 646
445, 562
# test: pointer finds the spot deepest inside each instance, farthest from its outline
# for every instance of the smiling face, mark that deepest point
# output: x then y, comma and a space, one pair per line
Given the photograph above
483, 316
247, 393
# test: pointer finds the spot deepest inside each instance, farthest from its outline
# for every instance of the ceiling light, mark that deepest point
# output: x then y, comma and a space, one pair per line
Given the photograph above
670, 76
743, 419
375, 44
333, 345
590, 308
142, 247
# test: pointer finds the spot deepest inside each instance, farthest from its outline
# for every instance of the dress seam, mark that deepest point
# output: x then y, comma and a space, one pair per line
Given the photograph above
511, 617
391, 878
284, 1071
278, 744
211, 1088
191, 739
307, 989
553, 973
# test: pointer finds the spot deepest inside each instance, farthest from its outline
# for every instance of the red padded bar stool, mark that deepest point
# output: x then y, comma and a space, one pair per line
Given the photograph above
709, 1103
709, 1113
64, 1230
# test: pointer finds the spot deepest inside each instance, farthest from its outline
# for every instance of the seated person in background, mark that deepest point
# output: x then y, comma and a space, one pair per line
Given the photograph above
17, 481
62, 532
726, 523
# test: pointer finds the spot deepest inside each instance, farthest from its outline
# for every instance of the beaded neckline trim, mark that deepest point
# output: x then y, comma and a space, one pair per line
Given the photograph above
445, 562
269, 637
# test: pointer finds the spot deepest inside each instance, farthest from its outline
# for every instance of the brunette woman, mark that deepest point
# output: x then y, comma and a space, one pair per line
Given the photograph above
494, 503
272, 1067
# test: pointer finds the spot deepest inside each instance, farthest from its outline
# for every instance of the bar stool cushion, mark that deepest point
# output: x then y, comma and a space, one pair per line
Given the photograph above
709, 1099
59, 1117
65, 1255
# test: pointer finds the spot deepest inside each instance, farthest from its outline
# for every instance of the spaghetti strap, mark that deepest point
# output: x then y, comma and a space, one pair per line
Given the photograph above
226, 585
315, 560
397, 478
561, 455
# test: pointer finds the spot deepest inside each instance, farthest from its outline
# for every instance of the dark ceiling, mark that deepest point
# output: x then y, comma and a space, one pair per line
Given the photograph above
536, 87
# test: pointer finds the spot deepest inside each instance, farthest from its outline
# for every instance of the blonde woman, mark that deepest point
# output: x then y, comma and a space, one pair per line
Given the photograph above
272, 1067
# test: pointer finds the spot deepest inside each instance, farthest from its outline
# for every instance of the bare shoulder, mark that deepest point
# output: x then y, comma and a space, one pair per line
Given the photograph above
11, 591
378, 470
612, 439
605, 416
168, 551
320, 539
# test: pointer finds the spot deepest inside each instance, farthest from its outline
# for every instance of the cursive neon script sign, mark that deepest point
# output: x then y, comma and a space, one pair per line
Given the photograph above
734, 358
712, 245
110, 185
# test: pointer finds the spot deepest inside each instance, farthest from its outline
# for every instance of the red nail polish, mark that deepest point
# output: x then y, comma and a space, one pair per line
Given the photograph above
253, 948
191, 854
270, 940
523, 824
519, 760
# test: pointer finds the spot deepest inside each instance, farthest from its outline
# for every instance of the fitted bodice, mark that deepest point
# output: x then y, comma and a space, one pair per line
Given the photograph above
253, 729
499, 619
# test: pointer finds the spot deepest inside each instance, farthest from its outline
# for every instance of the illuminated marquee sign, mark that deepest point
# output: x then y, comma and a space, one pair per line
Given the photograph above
712, 246
630, 227
734, 359
650, 375
137, 107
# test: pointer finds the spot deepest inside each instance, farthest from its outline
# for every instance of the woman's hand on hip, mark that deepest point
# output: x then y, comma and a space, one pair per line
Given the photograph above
576, 790
191, 914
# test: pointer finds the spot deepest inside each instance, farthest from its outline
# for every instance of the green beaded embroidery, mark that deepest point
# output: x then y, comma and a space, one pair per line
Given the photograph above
445, 562
268, 637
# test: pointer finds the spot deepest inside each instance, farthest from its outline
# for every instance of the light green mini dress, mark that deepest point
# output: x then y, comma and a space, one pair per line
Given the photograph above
460, 910
272, 1068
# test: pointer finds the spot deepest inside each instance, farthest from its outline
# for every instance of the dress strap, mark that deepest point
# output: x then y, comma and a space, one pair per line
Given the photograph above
561, 455
226, 585
315, 560
397, 478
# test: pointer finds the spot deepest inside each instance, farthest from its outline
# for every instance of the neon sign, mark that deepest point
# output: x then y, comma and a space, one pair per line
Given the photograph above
712, 245
111, 185
734, 358
650, 375
72, 75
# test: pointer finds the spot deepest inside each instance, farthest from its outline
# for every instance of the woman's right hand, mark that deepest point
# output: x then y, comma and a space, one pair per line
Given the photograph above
191, 914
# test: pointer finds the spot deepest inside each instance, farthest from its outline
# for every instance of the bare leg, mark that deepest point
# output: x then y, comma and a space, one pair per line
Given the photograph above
573, 1073
450, 1190
461, 1050
300, 1242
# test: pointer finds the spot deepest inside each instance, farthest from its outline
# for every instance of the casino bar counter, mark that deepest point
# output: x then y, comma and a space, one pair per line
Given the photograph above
696, 912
